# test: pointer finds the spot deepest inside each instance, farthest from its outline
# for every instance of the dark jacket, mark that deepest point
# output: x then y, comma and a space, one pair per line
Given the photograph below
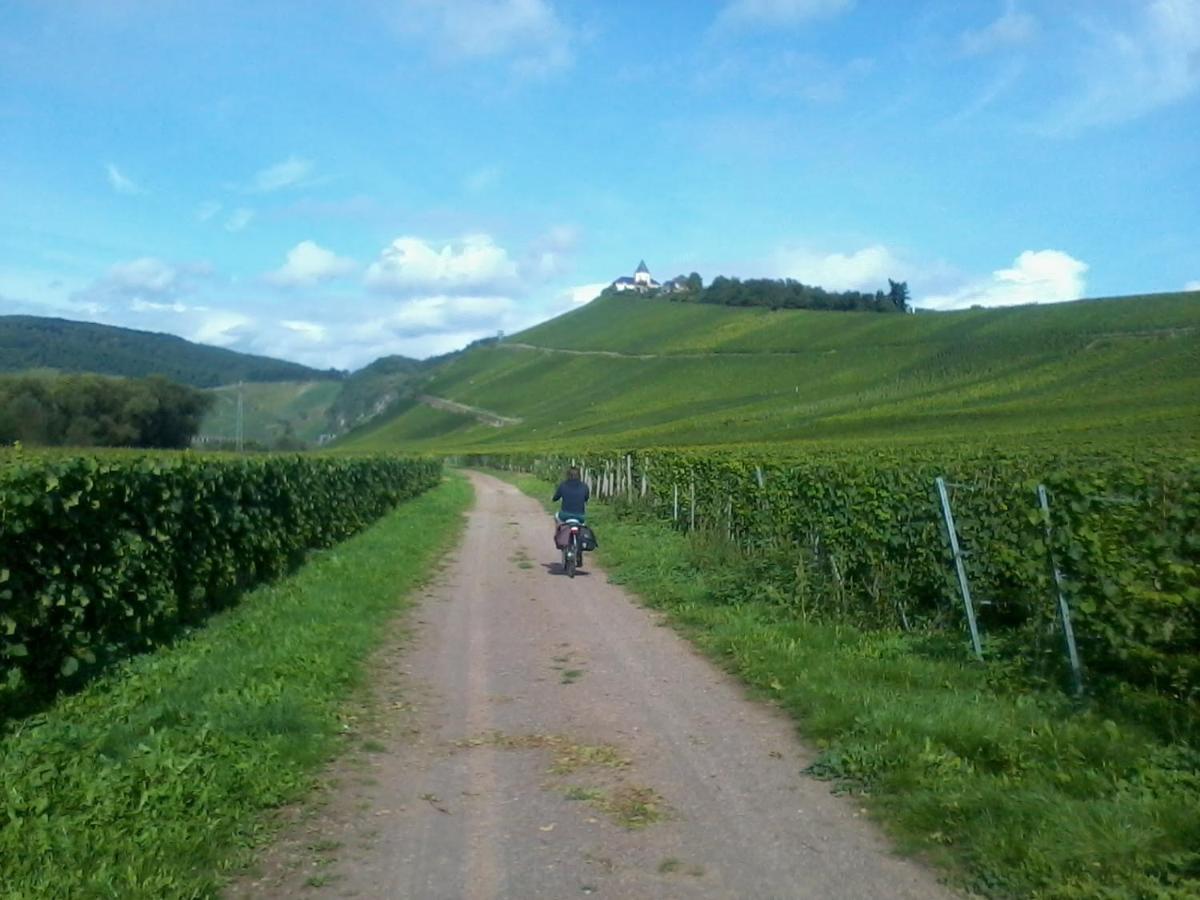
574, 495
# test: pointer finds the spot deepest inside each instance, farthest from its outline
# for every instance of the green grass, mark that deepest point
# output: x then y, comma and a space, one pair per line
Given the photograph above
155, 780
1092, 371
1015, 792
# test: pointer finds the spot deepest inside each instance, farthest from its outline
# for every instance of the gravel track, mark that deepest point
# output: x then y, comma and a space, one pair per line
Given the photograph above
544, 737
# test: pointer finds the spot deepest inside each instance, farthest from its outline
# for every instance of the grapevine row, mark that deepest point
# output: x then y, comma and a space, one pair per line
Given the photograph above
105, 554
862, 535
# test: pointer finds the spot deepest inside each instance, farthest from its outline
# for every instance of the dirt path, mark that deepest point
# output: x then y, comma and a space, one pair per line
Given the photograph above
486, 416
547, 740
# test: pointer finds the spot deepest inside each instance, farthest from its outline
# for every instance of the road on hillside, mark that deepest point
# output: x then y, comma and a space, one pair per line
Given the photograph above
545, 737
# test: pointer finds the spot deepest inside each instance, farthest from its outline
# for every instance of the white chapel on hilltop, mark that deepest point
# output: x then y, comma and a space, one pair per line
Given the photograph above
641, 280
643, 283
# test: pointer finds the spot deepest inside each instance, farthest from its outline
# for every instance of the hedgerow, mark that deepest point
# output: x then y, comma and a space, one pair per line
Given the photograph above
105, 554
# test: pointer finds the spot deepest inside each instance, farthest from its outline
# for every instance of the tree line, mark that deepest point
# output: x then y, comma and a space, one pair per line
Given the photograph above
787, 293
99, 411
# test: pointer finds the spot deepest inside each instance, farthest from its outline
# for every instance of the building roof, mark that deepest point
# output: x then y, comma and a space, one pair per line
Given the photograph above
641, 268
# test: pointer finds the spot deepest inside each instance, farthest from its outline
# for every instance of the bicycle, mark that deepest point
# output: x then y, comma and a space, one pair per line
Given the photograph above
572, 551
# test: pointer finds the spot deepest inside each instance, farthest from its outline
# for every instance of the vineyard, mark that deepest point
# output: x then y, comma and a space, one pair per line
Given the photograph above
864, 537
622, 372
111, 553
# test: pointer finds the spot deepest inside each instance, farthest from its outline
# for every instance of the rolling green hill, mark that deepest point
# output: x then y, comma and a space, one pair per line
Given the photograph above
308, 410
633, 371
34, 342
373, 389
272, 411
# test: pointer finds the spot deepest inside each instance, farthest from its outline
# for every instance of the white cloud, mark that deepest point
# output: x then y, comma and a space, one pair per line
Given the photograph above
40, 293
551, 254
434, 314
999, 85
239, 219
1011, 29
1192, 285
207, 210
146, 275
774, 13
1036, 276
308, 263
144, 285
310, 331
150, 306
1129, 72
411, 266
292, 172
583, 293
121, 183
867, 269
528, 32
221, 327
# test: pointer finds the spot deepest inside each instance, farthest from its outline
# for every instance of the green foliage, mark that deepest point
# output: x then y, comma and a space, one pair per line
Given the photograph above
107, 554
97, 411
154, 780
898, 295
787, 293
860, 537
1016, 792
33, 342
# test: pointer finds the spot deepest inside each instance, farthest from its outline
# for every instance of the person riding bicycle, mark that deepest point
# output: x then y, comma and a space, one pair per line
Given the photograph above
574, 495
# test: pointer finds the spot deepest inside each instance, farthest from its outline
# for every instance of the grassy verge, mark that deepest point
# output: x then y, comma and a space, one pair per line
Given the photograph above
1014, 792
151, 782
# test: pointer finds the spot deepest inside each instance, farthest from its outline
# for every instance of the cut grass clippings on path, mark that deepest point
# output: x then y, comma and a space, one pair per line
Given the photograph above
153, 781
1013, 791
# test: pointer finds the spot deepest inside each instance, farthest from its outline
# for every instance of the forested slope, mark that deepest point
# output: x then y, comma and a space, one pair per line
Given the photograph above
34, 342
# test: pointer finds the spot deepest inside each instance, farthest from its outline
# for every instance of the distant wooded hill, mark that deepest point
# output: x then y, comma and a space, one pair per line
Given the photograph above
34, 342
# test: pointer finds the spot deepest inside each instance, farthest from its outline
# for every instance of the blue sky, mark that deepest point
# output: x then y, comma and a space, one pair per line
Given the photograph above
330, 182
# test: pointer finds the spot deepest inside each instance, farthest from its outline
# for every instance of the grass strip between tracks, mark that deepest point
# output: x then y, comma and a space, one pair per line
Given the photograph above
1011, 790
153, 781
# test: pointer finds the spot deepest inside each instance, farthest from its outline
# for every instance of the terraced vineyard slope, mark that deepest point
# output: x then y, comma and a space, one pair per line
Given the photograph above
626, 371
271, 411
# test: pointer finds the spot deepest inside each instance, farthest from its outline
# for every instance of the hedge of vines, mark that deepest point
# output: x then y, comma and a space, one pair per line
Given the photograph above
104, 554
861, 535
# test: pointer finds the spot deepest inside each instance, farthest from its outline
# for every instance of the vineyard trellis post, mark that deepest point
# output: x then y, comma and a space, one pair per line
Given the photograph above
675, 503
1064, 608
692, 505
764, 505
629, 475
959, 566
